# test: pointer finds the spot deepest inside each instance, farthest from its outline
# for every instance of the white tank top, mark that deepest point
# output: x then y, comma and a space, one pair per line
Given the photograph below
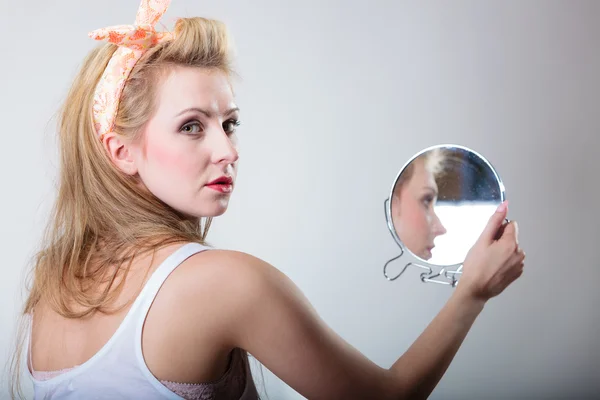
118, 369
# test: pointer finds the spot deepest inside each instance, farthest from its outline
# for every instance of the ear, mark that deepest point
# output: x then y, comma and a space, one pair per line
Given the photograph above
120, 152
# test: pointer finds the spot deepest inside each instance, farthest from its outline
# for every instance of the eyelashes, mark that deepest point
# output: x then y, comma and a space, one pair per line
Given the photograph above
428, 200
188, 127
233, 124
195, 127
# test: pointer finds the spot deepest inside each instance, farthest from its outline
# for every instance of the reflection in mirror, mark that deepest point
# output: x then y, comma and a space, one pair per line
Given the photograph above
441, 202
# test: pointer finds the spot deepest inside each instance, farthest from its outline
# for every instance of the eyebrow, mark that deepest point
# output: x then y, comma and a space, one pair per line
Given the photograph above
205, 112
432, 189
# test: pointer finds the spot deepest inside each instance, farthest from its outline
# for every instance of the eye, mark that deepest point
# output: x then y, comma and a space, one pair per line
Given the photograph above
230, 126
192, 127
427, 200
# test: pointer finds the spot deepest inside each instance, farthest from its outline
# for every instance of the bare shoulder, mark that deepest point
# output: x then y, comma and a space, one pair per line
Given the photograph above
228, 260
227, 280
222, 290
229, 269
197, 311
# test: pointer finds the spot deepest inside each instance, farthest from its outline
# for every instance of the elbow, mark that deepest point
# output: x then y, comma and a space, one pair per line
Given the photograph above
397, 387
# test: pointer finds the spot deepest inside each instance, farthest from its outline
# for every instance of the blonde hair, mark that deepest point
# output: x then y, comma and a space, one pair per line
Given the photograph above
434, 162
101, 218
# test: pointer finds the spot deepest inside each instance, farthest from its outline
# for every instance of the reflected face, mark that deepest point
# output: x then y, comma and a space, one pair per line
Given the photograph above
413, 215
188, 155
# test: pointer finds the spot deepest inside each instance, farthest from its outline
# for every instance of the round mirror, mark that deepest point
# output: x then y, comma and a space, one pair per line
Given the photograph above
441, 201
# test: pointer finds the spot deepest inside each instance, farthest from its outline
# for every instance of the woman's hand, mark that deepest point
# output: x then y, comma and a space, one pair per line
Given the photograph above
493, 263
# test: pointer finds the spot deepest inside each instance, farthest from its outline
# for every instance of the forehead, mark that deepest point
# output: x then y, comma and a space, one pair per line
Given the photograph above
184, 87
422, 177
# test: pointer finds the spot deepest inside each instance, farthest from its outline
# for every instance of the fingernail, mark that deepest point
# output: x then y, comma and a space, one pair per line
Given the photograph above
502, 207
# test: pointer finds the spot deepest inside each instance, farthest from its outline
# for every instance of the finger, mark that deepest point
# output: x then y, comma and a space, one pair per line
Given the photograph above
507, 244
495, 222
513, 276
520, 251
510, 232
516, 231
512, 262
500, 230
516, 259
513, 273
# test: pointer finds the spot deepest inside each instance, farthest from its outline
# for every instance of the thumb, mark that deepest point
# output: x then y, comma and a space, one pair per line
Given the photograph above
495, 223
511, 232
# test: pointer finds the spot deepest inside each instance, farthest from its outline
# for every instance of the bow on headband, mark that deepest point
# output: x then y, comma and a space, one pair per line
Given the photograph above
133, 42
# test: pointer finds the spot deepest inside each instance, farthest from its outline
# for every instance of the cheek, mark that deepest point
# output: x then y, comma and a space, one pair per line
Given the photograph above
411, 216
414, 214
420, 220
172, 159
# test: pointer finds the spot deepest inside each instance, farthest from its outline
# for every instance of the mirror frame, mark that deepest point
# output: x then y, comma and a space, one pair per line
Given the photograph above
447, 274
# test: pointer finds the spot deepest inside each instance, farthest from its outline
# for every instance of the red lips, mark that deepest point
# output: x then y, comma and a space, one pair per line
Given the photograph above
223, 180
223, 184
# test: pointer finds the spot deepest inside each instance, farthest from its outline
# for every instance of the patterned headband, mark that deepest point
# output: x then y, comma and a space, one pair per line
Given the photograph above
133, 42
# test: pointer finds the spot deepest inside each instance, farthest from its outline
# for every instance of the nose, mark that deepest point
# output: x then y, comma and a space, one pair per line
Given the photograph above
438, 228
224, 150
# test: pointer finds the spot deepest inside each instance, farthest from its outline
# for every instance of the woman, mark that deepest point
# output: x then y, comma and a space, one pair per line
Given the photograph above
415, 194
129, 302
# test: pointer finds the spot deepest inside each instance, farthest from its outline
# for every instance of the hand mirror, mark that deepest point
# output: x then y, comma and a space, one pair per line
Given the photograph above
438, 206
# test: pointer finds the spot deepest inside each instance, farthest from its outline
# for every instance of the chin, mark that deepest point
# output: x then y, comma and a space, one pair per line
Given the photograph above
203, 207
216, 209
216, 213
203, 214
426, 255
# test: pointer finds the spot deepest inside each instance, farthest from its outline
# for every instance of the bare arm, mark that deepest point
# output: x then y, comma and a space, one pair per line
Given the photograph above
422, 366
265, 314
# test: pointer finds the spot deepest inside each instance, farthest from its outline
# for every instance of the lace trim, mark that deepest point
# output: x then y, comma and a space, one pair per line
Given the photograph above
229, 386
46, 375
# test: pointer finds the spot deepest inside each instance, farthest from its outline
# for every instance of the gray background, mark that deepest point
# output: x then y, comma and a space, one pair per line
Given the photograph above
335, 97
